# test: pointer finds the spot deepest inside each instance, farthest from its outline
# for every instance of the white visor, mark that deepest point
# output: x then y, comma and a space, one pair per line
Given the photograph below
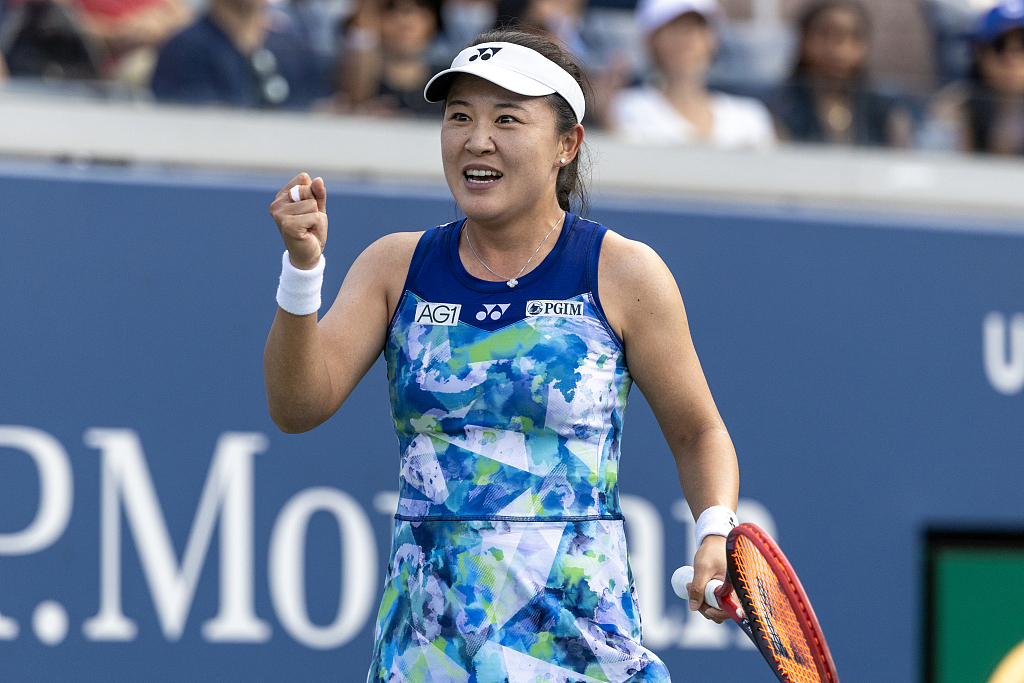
513, 67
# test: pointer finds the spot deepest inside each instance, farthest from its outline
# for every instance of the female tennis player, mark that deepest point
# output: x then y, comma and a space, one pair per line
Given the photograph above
512, 338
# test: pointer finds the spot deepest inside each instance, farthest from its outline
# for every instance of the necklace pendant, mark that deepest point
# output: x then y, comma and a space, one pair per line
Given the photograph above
512, 283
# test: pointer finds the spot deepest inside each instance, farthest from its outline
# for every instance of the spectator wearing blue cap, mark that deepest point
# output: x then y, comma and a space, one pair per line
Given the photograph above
678, 107
986, 114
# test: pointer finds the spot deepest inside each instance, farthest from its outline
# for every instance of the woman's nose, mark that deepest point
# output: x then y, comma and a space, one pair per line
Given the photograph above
480, 140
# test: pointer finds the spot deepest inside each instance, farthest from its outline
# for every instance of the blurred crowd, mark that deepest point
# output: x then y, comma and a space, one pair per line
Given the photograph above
652, 72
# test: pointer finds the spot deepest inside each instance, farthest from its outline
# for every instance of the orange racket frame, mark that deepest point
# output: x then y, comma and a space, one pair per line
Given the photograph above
734, 598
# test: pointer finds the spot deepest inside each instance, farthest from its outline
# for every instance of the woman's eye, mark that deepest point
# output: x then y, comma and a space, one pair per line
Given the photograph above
459, 116
505, 118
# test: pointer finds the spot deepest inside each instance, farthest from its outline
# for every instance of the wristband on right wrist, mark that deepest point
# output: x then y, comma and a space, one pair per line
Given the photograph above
717, 520
299, 290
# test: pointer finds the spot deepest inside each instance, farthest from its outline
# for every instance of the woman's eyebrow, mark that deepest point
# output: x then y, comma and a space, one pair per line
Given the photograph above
497, 105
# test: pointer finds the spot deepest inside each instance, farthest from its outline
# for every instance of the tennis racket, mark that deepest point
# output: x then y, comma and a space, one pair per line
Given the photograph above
764, 596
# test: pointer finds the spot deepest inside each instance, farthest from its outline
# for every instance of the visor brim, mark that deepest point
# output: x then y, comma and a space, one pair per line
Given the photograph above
438, 86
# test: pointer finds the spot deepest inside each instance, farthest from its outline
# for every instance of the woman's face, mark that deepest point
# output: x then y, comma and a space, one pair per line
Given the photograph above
684, 46
836, 45
500, 150
1002, 63
407, 27
550, 14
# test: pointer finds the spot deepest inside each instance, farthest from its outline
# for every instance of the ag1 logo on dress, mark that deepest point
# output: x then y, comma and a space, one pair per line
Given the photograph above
437, 314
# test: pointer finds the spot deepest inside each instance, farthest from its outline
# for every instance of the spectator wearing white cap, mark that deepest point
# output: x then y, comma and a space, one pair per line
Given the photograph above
678, 108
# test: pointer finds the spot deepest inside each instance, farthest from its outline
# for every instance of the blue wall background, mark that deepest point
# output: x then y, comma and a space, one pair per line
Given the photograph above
844, 351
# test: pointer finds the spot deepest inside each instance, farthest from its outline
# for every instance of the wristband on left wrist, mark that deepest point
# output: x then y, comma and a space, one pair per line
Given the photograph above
717, 520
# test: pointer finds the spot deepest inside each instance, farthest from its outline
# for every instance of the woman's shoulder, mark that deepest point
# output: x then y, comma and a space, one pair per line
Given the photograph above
394, 244
632, 278
625, 261
383, 266
391, 254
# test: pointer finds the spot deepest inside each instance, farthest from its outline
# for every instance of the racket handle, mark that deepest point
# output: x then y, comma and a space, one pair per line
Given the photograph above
684, 575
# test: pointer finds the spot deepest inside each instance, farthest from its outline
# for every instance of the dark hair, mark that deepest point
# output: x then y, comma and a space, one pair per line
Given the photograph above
812, 12
512, 13
432, 6
570, 187
981, 103
997, 45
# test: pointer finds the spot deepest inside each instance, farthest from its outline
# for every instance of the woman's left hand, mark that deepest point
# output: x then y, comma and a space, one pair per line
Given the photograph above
709, 563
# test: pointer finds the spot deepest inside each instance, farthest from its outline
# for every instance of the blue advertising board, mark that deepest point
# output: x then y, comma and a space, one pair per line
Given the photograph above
156, 526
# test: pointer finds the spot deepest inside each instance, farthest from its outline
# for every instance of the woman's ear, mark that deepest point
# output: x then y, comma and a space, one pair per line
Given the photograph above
571, 143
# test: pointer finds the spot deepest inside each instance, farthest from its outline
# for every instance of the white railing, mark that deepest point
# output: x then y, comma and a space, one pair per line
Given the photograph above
86, 130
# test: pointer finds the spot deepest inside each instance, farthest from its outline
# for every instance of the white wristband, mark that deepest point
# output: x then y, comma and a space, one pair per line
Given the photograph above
717, 520
299, 290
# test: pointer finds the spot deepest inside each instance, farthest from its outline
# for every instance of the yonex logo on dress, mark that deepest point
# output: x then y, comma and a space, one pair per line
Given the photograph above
562, 308
484, 53
437, 314
492, 311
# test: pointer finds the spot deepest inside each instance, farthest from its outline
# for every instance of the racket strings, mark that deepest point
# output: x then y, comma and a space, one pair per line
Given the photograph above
805, 608
774, 615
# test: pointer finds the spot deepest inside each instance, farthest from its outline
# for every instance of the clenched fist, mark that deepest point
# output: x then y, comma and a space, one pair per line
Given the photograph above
303, 223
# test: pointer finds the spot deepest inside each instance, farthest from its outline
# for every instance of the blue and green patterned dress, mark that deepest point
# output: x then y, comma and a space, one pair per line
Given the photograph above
508, 560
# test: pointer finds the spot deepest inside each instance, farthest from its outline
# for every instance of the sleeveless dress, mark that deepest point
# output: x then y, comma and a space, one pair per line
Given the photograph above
508, 559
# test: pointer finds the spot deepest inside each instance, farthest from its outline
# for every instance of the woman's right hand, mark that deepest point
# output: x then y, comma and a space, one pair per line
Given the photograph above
303, 224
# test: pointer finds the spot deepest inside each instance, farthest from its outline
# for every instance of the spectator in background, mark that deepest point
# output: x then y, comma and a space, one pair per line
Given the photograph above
592, 39
566, 22
131, 32
319, 24
463, 20
827, 98
45, 39
557, 20
110, 39
680, 109
234, 56
387, 63
987, 113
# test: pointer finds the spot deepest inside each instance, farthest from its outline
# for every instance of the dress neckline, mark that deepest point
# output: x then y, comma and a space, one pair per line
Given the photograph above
480, 285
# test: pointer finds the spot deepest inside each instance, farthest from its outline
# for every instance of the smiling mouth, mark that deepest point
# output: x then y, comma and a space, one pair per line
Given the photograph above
478, 175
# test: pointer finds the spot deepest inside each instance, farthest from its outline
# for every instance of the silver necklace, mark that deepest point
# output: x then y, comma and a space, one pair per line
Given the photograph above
513, 281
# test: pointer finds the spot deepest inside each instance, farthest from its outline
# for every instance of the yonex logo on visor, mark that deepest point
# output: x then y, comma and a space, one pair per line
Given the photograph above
513, 67
485, 53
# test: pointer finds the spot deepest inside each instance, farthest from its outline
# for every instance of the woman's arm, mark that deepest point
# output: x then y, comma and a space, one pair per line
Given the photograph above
310, 368
643, 305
